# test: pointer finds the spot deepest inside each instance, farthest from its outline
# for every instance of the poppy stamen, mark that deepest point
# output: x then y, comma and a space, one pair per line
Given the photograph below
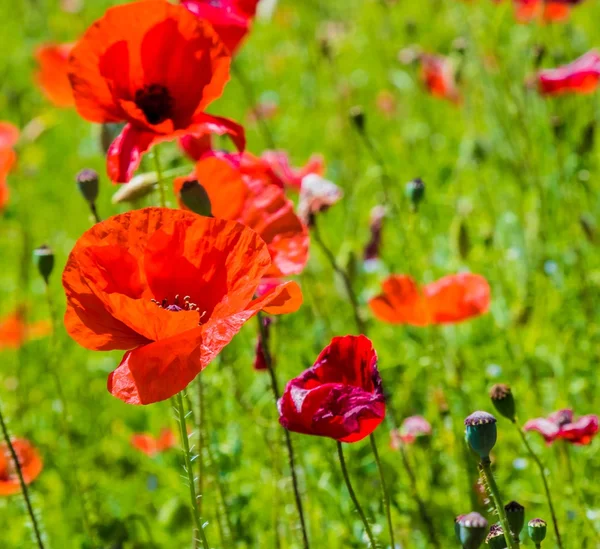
155, 102
176, 306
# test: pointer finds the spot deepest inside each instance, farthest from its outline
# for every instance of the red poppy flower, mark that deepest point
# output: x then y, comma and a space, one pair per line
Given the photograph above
340, 396
449, 300
437, 74
53, 76
562, 425
412, 428
170, 287
156, 67
14, 330
292, 177
548, 10
9, 135
240, 187
580, 76
29, 460
231, 19
150, 445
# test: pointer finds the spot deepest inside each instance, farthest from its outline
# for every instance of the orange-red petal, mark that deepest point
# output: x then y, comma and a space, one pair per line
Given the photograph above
52, 76
30, 461
401, 302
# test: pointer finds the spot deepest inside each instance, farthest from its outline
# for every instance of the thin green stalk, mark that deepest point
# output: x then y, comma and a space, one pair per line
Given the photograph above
24, 490
538, 546
540, 467
288, 439
485, 468
159, 175
361, 513
185, 443
384, 490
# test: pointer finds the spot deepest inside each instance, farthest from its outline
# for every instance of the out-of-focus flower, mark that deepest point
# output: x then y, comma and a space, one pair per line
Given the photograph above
263, 110
151, 445
317, 194
563, 425
260, 361
15, 330
29, 460
340, 396
157, 67
373, 247
53, 73
451, 299
437, 75
411, 429
386, 103
9, 135
581, 76
292, 177
231, 19
171, 288
546, 10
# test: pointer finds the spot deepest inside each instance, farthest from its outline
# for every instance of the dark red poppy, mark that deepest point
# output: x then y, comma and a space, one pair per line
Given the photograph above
156, 67
29, 460
437, 75
340, 396
563, 425
232, 19
581, 76
240, 187
411, 429
292, 177
151, 445
171, 288
9, 135
53, 74
449, 300
373, 247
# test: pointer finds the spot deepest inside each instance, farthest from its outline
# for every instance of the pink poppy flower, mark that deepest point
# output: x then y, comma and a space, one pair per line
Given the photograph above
581, 76
412, 428
563, 425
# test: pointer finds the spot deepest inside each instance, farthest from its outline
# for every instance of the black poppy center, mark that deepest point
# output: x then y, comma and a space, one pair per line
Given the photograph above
155, 102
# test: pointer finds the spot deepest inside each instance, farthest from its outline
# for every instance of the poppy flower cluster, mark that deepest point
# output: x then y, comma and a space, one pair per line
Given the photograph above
580, 76
29, 460
9, 135
169, 287
150, 445
449, 300
563, 425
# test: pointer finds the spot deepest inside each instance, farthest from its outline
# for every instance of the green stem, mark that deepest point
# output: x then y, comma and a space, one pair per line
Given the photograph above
94, 211
185, 443
386, 494
485, 468
540, 467
159, 175
24, 490
361, 513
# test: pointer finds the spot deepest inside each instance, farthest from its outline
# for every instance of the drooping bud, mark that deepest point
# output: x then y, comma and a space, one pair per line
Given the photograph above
87, 181
471, 530
44, 258
415, 191
194, 197
481, 433
495, 539
503, 400
515, 513
357, 116
536, 529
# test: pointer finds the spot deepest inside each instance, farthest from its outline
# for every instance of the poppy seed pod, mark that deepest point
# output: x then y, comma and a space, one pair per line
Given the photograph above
471, 530
515, 514
194, 197
87, 181
536, 529
357, 116
415, 192
481, 433
495, 539
457, 526
44, 258
503, 400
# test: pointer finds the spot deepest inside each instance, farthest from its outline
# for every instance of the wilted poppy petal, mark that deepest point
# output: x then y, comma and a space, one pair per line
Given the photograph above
401, 302
52, 76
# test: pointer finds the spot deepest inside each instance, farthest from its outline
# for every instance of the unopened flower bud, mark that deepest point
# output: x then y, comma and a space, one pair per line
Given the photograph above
495, 539
503, 400
457, 526
536, 529
357, 116
471, 529
481, 433
194, 197
87, 181
44, 258
515, 513
415, 191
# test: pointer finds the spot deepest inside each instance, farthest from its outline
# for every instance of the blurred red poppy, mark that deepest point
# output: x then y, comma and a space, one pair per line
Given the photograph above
150, 445
240, 187
411, 429
449, 300
29, 460
340, 396
580, 76
14, 330
170, 287
437, 75
156, 67
292, 177
9, 135
231, 19
563, 425
53, 74
547, 10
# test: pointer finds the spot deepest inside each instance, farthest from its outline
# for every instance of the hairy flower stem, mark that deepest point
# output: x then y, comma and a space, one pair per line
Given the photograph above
361, 513
24, 490
159, 176
485, 469
288, 439
185, 443
540, 467
384, 490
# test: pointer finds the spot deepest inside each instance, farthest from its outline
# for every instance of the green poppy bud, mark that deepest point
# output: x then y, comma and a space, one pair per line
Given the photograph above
537, 530
194, 196
503, 401
515, 514
357, 116
415, 191
471, 530
44, 258
457, 526
481, 433
87, 181
495, 539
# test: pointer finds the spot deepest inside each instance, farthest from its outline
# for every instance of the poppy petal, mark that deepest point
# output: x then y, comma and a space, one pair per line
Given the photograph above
125, 153
581, 431
546, 428
401, 302
52, 77
31, 466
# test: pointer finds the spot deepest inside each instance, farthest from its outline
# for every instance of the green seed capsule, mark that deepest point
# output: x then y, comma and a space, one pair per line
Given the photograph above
515, 514
44, 258
537, 530
471, 530
194, 196
503, 401
481, 433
